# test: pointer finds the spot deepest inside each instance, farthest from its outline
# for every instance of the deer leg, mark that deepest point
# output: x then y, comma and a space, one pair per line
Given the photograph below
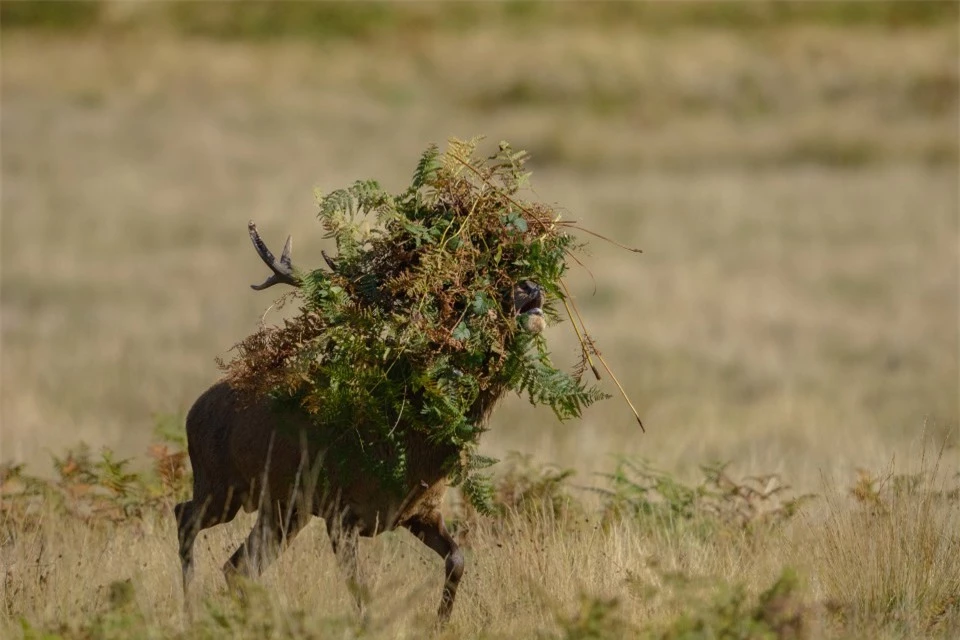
433, 532
344, 539
270, 536
192, 519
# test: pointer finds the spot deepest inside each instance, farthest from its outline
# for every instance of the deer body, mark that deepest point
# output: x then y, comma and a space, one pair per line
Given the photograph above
271, 456
249, 453
246, 455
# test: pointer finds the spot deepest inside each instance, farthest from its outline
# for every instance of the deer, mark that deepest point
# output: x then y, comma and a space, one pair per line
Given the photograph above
248, 454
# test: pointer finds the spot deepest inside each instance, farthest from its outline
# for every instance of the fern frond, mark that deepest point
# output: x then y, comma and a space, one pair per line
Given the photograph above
414, 331
427, 168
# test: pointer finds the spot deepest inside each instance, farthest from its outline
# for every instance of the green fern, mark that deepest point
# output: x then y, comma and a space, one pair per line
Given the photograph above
414, 329
427, 168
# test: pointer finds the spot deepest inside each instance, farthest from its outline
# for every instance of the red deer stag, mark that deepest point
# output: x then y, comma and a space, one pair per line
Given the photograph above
249, 454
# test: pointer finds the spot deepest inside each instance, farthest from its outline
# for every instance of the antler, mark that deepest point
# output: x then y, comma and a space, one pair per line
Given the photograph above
283, 271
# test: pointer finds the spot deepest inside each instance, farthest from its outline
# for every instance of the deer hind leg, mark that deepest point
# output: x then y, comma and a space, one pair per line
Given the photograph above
271, 534
433, 532
192, 518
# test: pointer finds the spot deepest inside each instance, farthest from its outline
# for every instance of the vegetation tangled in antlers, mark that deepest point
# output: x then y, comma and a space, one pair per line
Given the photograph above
415, 321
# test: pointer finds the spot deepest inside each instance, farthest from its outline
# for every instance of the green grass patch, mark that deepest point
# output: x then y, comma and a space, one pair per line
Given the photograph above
362, 20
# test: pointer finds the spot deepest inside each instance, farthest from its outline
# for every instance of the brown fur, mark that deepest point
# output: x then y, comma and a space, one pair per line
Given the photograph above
247, 453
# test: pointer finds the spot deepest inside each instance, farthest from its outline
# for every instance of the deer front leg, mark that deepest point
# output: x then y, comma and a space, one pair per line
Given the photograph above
433, 532
344, 539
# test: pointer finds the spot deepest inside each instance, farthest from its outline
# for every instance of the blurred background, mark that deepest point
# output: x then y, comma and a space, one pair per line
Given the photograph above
790, 171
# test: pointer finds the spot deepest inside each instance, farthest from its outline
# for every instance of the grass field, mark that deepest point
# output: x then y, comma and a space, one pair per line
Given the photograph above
794, 187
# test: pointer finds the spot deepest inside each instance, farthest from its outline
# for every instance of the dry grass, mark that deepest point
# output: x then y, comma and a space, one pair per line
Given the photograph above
878, 561
796, 308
